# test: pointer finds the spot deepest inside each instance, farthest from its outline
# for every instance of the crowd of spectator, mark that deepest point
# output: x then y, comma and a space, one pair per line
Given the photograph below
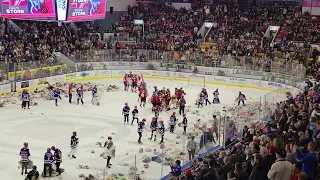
238, 30
287, 147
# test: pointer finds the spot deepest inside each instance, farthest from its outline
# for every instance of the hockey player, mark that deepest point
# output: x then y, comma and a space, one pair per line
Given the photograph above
25, 97
125, 113
48, 159
24, 154
57, 155
153, 127
216, 97
135, 112
33, 174
70, 91
56, 96
161, 130
241, 98
173, 121
154, 99
109, 151
206, 96
140, 129
168, 99
143, 97
134, 84
200, 99
74, 144
80, 92
125, 82
94, 92
108, 141
156, 111
184, 124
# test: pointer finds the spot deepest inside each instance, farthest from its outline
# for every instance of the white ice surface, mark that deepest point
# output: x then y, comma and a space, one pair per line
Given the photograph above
45, 125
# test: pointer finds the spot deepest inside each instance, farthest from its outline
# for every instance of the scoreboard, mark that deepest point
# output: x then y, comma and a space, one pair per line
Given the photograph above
62, 10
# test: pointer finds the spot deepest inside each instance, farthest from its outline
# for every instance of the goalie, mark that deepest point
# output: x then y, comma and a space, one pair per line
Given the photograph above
33, 174
112, 88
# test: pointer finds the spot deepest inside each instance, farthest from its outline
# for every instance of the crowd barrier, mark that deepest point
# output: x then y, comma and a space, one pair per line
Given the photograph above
153, 74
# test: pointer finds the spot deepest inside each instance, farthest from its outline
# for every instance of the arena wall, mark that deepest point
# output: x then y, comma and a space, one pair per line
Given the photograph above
150, 74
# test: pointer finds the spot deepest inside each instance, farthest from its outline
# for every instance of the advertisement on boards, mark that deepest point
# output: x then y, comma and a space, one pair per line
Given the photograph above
24, 84
28, 9
86, 9
70, 76
237, 80
275, 85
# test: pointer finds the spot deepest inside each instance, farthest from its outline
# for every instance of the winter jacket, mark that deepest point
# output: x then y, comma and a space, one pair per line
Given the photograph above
257, 173
182, 102
281, 170
110, 152
192, 145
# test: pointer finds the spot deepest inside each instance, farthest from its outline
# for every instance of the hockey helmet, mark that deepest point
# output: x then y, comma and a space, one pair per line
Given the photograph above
25, 144
74, 133
109, 138
144, 119
126, 104
34, 168
48, 149
53, 148
174, 113
184, 114
136, 107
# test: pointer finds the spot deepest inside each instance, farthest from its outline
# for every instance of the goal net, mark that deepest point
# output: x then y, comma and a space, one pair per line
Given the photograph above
197, 80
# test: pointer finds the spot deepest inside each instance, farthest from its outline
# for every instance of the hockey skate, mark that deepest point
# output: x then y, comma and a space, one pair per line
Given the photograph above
140, 142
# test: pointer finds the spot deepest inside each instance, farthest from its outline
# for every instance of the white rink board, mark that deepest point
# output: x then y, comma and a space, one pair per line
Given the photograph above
179, 76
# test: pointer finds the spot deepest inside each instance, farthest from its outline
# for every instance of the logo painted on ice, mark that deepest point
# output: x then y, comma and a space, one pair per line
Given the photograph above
84, 74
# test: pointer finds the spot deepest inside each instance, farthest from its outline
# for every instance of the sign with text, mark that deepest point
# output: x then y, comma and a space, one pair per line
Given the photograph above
86, 9
28, 9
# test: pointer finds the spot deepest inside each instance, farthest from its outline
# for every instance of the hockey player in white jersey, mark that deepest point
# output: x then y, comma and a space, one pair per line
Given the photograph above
216, 97
74, 144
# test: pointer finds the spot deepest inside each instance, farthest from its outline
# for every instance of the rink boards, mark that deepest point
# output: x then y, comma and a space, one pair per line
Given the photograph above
150, 74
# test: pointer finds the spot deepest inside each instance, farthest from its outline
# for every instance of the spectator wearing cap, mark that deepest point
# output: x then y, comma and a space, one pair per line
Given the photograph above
189, 175
257, 172
308, 160
281, 169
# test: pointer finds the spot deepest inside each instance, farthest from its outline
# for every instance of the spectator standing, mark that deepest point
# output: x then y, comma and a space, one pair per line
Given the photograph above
308, 160
257, 172
281, 169
192, 147
267, 161
176, 169
182, 103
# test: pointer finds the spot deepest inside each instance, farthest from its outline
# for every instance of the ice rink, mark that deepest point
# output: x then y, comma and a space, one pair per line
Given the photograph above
46, 125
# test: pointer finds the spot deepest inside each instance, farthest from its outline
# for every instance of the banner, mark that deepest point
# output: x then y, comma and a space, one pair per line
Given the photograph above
70, 76
311, 3
86, 9
28, 9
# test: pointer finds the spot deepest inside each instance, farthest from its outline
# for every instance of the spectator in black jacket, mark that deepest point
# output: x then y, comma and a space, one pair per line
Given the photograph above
267, 161
257, 171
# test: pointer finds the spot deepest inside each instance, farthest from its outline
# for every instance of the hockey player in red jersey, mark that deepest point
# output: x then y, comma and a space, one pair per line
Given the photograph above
134, 84
143, 97
125, 82
154, 99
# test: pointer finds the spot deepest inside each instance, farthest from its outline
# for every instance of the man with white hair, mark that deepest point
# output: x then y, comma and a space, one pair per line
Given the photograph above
267, 161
